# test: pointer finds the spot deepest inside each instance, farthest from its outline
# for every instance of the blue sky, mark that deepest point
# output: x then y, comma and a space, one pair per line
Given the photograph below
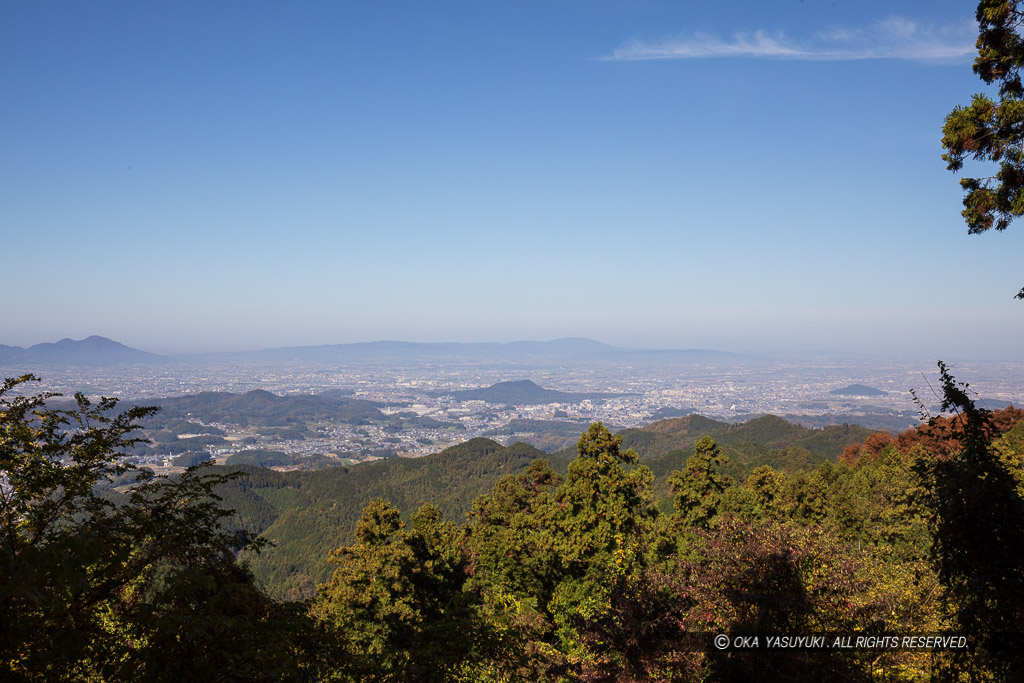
197, 176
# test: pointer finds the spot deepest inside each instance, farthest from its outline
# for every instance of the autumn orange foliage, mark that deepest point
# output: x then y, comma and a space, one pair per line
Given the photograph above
937, 436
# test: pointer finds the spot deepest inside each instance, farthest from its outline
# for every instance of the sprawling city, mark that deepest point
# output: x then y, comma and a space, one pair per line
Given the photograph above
420, 405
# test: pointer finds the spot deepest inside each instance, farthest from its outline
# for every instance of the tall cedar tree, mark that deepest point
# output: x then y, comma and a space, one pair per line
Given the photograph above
992, 131
697, 490
395, 608
602, 522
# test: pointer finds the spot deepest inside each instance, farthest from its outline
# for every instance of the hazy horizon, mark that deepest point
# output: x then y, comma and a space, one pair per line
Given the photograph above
189, 177
764, 350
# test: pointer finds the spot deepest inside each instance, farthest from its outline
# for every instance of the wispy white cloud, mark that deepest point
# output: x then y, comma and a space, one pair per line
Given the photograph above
893, 38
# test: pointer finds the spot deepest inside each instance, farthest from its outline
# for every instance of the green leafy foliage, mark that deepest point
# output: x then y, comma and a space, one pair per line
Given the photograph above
602, 516
143, 588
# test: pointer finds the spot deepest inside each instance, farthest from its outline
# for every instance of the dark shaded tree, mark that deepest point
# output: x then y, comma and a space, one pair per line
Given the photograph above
977, 526
136, 587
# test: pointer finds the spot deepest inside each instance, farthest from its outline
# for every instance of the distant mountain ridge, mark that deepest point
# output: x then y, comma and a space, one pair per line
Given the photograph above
94, 350
565, 349
390, 350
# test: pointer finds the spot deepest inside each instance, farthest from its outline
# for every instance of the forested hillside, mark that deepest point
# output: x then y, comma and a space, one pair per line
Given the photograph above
305, 514
488, 563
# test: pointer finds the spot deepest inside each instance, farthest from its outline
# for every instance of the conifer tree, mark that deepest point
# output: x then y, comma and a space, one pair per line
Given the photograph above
697, 490
992, 130
395, 607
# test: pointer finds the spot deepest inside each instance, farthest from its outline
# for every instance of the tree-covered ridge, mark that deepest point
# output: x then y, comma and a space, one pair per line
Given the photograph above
768, 431
547, 435
767, 440
269, 458
940, 436
263, 408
